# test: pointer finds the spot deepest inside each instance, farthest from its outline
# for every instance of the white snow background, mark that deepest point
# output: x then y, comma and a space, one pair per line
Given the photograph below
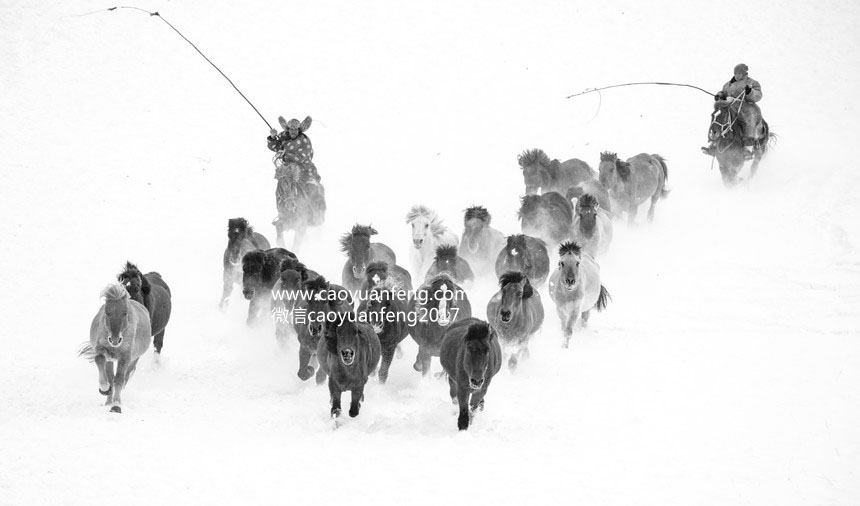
724, 371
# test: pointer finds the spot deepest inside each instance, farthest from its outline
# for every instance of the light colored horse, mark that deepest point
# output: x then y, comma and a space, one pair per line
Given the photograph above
575, 288
631, 183
428, 233
592, 226
481, 242
120, 332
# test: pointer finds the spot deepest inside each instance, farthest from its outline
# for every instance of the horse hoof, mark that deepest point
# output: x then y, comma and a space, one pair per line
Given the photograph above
116, 409
335, 412
417, 367
105, 392
353, 412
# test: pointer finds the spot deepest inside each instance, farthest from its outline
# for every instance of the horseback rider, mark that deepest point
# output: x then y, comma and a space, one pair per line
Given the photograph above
741, 93
294, 166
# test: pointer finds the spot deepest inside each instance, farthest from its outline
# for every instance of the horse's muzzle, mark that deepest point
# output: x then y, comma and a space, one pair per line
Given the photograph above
315, 329
377, 327
357, 272
249, 294
505, 315
347, 356
115, 342
476, 383
418, 243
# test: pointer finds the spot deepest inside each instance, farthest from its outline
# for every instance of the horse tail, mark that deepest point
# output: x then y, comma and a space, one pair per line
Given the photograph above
768, 138
603, 298
664, 191
87, 351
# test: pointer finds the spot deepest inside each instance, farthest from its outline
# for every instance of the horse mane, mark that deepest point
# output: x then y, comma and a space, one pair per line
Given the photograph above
478, 212
317, 284
131, 270
378, 266
293, 264
623, 170
446, 252
608, 156
532, 156
511, 277
528, 204
517, 240
478, 331
241, 224
114, 292
438, 280
587, 200
569, 247
420, 210
357, 230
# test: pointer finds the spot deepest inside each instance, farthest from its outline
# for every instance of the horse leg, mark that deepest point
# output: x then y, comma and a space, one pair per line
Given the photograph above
422, 361
463, 401
568, 328
104, 383
387, 357
632, 210
334, 394
585, 315
158, 341
477, 403
228, 289
305, 370
279, 230
355, 403
398, 352
130, 372
321, 376
118, 384
512, 362
654, 199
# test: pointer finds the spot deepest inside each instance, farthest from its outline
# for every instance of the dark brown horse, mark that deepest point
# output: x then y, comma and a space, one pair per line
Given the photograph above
360, 252
286, 293
524, 254
471, 356
380, 274
542, 175
386, 311
348, 355
151, 291
260, 271
481, 242
727, 135
631, 183
437, 304
546, 217
241, 239
447, 260
516, 313
120, 333
321, 306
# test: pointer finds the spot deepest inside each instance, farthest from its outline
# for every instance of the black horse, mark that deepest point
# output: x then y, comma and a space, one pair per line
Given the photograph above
287, 292
348, 355
527, 255
360, 252
241, 239
386, 311
316, 312
151, 291
437, 304
516, 313
546, 216
471, 356
457, 267
260, 271
380, 274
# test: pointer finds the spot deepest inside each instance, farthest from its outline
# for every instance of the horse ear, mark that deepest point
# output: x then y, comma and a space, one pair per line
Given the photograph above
528, 291
305, 124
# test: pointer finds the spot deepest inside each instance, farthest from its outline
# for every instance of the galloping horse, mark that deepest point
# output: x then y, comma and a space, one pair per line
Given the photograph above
428, 233
300, 202
592, 226
120, 333
360, 252
542, 175
516, 313
633, 182
436, 304
151, 291
727, 134
524, 254
348, 354
241, 239
481, 242
547, 217
575, 288
447, 260
593, 188
320, 307
386, 311
260, 271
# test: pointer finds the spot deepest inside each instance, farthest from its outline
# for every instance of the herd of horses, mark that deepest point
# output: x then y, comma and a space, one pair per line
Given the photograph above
353, 330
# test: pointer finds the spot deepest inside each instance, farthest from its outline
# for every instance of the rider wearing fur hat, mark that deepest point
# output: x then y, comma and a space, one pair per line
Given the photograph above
742, 92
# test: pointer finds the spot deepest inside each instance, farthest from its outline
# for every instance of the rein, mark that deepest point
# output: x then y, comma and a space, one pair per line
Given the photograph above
728, 126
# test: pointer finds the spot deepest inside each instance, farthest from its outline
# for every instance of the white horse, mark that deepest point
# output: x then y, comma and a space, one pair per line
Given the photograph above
592, 226
428, 232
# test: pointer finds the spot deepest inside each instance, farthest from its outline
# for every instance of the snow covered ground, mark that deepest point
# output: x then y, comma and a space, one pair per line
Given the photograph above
726, 369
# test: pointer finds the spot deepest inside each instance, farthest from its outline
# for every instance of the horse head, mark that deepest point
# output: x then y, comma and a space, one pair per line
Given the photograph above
515, 288
475, 219
116, 313
421, 219
519, 258
356, 245
345, 342
607, 169
535, 165
321, 300
259, 270
570, 257
476, 357
239, 239
376, 274
380, 302
445, 260
722, 121
586, 208
134, 281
